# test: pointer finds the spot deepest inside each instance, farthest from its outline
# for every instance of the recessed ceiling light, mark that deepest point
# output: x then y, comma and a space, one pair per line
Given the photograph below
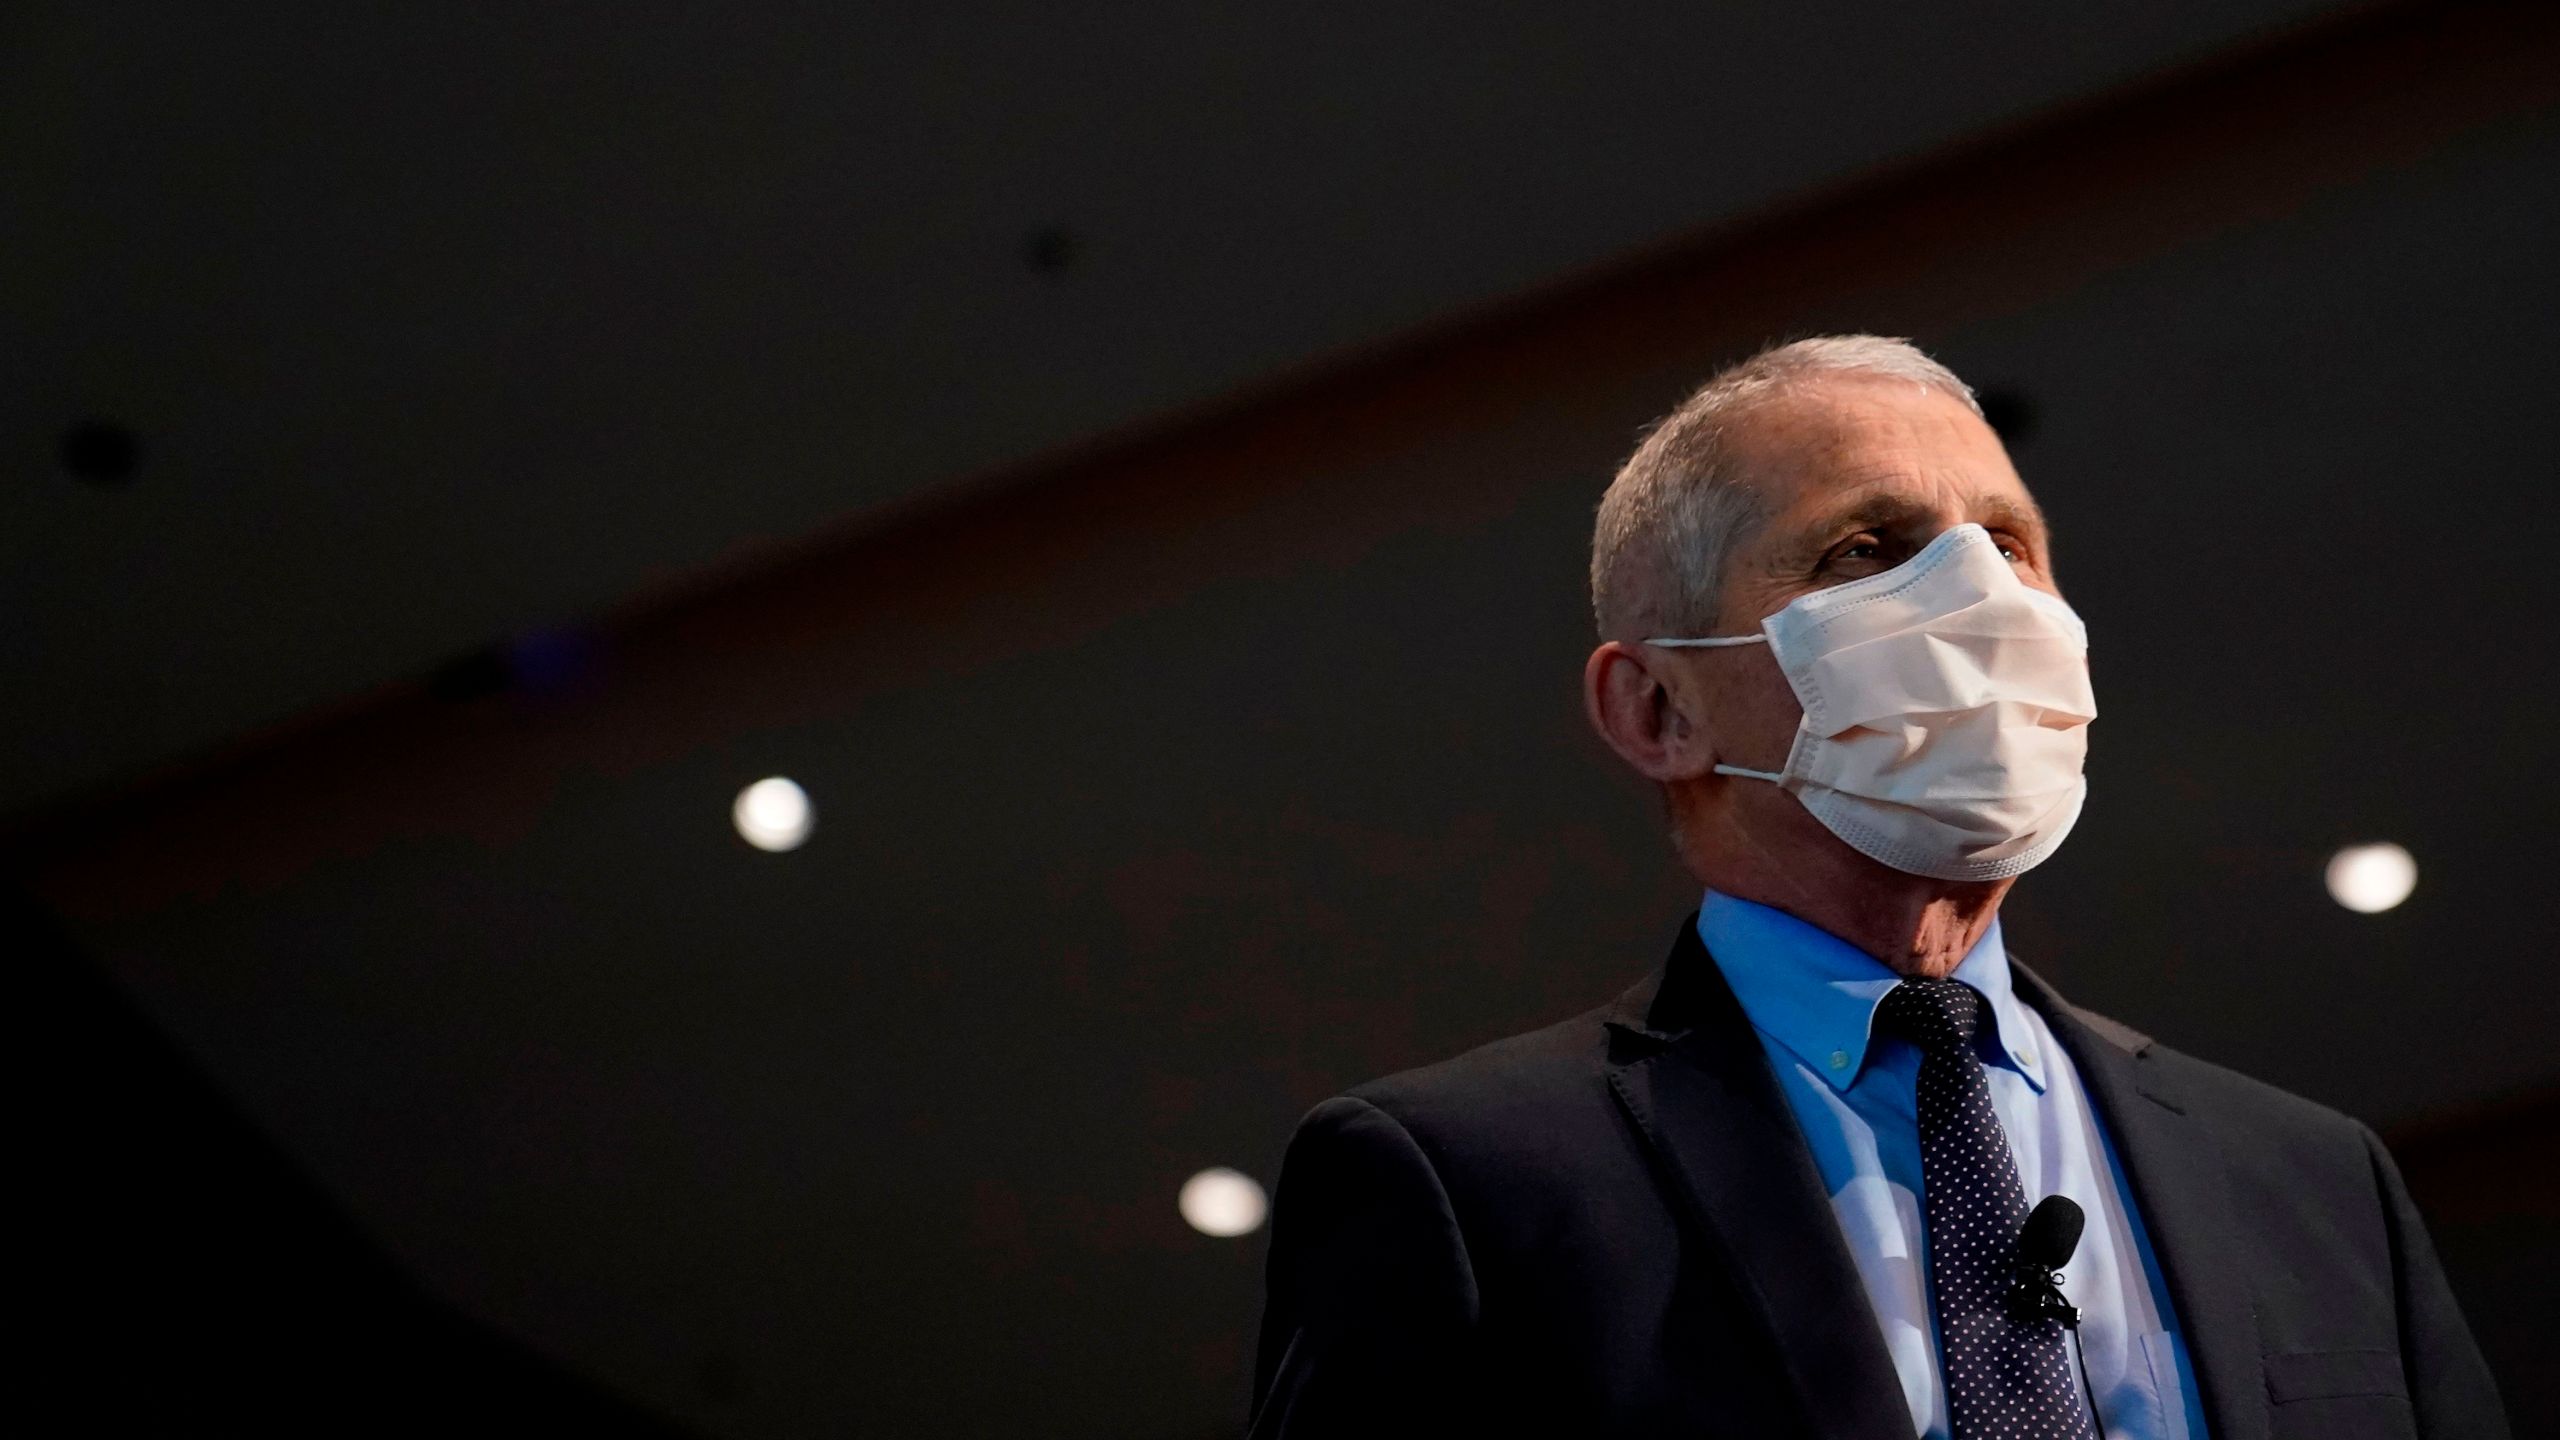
1223, 1202
772, 814
2370, 879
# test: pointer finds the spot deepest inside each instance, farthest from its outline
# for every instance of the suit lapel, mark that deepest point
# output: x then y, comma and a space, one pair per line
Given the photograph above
1689, 1070
2176, 1172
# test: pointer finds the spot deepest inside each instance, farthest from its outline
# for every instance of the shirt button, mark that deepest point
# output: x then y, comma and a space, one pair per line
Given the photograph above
1839, 1059
2027, 1056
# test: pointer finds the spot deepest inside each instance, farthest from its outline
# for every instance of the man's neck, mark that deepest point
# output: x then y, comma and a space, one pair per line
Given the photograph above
1916, 926
1785, 859
1922, 938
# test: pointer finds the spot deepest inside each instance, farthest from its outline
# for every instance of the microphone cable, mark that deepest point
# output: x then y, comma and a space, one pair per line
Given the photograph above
2045, 1243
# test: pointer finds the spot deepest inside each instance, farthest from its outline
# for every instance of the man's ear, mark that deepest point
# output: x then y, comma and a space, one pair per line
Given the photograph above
1641, 714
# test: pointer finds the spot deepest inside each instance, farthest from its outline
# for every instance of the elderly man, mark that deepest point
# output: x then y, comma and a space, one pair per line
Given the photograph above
1777, 1188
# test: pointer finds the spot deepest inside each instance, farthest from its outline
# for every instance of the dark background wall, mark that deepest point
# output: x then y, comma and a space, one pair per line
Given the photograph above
1170, 781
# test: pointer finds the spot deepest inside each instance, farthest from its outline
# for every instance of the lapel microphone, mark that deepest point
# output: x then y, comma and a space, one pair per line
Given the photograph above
2045, 1244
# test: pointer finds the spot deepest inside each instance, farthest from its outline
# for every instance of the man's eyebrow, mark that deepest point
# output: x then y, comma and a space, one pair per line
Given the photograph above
2001, 510
1881, 509
1888, 509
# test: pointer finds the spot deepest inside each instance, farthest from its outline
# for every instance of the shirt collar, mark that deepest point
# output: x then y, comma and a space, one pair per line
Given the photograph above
1816, 994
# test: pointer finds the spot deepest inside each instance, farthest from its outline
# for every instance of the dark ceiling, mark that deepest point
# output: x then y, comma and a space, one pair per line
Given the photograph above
431, 324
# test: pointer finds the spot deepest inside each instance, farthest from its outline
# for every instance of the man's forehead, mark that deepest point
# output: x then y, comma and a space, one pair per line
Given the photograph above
1841, 440
1850, 405
1897, 500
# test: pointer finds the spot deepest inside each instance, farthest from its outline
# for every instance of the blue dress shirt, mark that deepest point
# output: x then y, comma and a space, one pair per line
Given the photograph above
1811, 996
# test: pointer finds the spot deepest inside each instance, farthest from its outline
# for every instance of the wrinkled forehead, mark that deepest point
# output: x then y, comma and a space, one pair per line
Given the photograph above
1880, 449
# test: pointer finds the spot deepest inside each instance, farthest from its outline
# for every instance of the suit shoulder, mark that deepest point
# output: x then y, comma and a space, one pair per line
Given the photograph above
1500, 1088
2241, 1102
2226, 1096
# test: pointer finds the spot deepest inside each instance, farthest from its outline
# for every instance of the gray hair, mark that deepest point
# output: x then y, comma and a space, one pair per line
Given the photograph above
1678, 506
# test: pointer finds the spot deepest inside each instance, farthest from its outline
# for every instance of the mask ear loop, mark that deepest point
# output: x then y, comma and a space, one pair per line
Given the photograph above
1771, 776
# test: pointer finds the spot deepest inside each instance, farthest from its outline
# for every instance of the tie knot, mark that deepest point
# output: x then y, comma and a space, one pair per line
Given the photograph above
1936, 1015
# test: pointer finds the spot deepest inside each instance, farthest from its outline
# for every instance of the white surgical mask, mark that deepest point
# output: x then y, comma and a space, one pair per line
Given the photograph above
1946, 711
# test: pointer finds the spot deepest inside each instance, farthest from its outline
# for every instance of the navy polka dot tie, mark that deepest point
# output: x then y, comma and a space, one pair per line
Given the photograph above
2004, 1381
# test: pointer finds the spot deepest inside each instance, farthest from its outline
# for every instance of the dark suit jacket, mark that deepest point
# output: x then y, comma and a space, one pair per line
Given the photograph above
1613, 1227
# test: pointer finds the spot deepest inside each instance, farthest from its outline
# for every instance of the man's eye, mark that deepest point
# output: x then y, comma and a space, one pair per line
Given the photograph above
2010, 549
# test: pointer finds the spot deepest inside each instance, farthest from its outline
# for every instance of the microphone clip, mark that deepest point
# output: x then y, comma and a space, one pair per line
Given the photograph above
2036, 1295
